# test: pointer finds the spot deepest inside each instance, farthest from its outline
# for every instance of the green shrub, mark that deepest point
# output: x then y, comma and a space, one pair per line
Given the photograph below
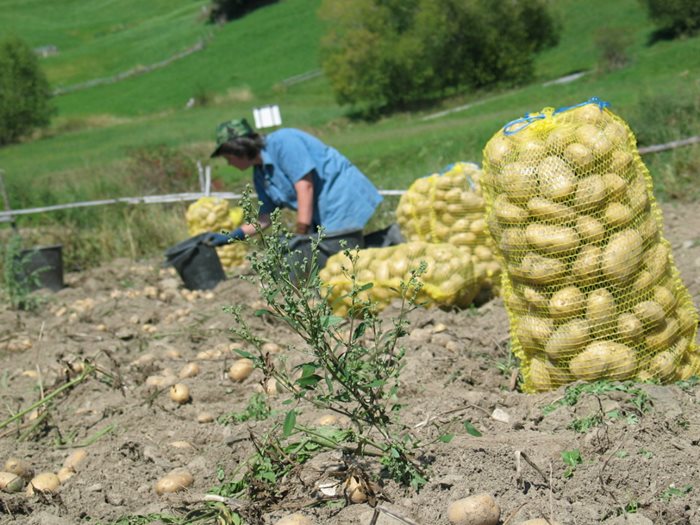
675, 17
393, 54
24, 91
612, 44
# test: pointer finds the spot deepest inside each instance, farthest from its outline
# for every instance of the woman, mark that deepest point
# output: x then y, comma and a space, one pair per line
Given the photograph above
293, 169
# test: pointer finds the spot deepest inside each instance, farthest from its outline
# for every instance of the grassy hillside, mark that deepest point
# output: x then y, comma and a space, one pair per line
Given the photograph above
245, 63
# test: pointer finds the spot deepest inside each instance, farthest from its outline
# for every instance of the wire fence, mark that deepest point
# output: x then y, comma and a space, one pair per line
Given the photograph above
9, 215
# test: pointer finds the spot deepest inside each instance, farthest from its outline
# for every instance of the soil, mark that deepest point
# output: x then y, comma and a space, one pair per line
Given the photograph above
639, 462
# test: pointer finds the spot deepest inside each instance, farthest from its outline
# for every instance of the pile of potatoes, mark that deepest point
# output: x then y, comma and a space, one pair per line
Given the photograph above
448, 207
211, 214
449, 278
591, 287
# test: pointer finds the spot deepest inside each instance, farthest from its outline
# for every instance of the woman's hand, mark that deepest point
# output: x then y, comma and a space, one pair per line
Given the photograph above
305, 203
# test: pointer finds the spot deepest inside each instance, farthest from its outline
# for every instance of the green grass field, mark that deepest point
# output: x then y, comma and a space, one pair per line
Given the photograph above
244, 64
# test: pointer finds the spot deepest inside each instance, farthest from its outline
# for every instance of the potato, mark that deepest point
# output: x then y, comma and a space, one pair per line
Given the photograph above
539, 376
531, 150
650, 313
11, 482
19, 467
601, 310
294, 519
664, 365
617, 133
638, 195
621, 161
617, 215
64, 474
665, 298
567, 302
240, 370
480, 509
180, 393
622, 256
578, 155
43, 482
643, 282
519, 181
629, 328
604, 359
175, 481
589, 229
545, 210
663, 337
557, 181
507, 212
656, 260
568, 339
189, 370
552, 239
535, 299
687, 318
590, 193
586, 267
595, 139
588, 113
74, 460
559, 138
615, 186
532, 332
541, 270
648, 228
512, 241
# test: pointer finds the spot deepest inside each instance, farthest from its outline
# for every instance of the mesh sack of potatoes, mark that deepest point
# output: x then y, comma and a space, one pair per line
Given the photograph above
212, 214
449, 207
589, 281
448, 280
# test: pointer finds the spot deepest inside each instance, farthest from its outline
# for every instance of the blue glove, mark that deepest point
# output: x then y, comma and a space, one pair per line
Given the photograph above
222, 239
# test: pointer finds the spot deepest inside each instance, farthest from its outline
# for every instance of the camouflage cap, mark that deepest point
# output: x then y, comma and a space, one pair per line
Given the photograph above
231, 130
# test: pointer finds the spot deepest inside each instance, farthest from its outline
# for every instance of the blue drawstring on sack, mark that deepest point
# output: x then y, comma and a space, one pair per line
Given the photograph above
530, 118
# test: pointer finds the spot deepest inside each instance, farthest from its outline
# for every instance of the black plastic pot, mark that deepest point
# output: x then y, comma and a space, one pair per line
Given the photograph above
197, 264
42, 267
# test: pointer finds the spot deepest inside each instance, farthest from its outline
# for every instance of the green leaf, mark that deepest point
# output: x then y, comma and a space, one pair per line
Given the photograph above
471, 429
243, 353
376, 383
308, 382
289, 423
360, 330
446, 438
572, 457
331, 320
365, 286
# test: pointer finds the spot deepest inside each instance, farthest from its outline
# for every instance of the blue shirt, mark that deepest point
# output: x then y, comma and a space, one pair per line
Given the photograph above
344, 198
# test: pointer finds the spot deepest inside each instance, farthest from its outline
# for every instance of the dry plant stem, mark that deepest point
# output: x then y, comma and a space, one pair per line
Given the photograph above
448, 412
396, 516
513, 514
602, 481
87, 372
521, 454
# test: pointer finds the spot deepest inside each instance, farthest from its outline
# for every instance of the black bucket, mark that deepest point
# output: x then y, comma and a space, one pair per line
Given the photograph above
197, 264
42, 267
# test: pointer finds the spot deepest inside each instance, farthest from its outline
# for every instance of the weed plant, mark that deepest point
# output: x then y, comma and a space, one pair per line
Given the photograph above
351, 368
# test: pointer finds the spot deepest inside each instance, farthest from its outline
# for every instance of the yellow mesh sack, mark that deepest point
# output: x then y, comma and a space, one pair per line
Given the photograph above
212, 214
449, 278
589, 281
448, 207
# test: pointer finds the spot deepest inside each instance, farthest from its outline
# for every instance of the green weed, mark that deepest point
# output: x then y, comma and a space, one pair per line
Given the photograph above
257, 410
571, 458
675, 492
18, 283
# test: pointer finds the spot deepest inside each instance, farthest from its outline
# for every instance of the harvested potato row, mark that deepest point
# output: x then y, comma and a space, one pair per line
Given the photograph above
449, 207
211, 214
448, 279
590, 284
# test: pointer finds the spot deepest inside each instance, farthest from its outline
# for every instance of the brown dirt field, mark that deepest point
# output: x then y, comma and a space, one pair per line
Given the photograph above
133, 320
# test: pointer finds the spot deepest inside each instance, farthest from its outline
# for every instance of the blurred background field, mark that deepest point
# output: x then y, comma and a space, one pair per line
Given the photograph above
138, 136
